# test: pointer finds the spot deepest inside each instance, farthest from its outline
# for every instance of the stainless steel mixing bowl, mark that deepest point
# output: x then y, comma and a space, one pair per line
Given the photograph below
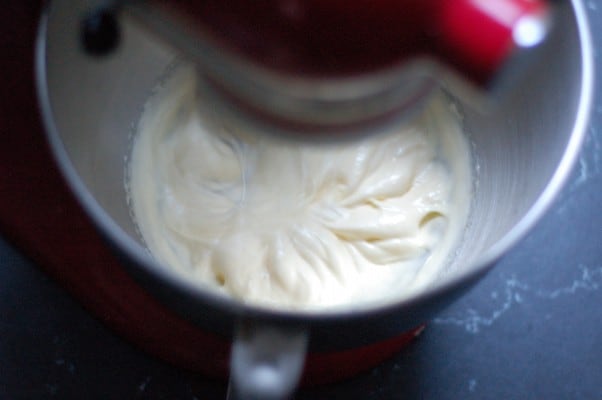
523, 153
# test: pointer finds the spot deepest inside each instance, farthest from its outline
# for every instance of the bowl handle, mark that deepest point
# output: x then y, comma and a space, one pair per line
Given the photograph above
266, 362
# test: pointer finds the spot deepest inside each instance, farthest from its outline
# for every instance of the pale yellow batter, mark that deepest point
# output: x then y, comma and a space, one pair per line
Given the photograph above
279, 224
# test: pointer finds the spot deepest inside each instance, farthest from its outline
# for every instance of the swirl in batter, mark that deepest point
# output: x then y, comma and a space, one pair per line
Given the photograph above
279, 224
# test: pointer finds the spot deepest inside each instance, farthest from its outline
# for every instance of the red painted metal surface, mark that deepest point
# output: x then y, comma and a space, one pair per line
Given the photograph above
346, 37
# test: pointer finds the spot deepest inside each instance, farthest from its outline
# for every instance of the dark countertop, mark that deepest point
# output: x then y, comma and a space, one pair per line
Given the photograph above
532, 329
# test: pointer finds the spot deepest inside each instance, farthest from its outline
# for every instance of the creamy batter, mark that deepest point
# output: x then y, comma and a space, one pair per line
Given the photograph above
280, 224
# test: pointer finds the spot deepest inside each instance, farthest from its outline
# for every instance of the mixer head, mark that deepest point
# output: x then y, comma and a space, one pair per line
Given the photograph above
329, 69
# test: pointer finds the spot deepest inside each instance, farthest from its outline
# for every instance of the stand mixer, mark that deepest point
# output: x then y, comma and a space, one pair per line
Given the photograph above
330, 68
525, 149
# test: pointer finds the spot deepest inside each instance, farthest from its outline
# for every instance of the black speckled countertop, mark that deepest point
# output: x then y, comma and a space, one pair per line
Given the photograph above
532, 329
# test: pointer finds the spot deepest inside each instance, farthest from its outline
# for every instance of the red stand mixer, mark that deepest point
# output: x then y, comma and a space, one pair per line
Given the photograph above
311, 68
